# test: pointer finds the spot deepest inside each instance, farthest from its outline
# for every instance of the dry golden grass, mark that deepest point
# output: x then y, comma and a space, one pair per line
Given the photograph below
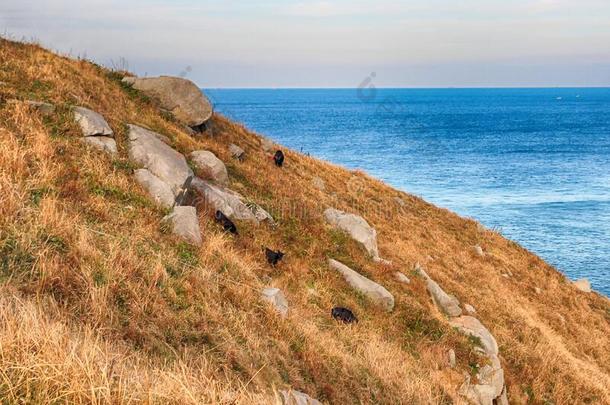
112, 309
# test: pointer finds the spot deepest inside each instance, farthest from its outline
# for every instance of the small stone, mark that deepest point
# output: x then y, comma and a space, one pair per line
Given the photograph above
478, 250
292, 397
92, 123
538, 290
400, 201
319, 183
276, 297
452, 361
402, 278
43, 108
505, 275
470, 309
237, 152
185, 224
583, 285
267, 144
103, 143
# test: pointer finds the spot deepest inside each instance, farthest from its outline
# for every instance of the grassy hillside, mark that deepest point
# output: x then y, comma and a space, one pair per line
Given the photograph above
98, 303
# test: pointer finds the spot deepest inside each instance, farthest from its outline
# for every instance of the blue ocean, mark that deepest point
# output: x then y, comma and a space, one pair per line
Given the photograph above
531, 163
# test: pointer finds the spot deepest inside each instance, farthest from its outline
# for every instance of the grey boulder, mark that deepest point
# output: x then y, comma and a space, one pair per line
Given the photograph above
92, 123
371, 289
148, 150
356, 227
213, 167
228, 201
185, 224
177, 95
447, 303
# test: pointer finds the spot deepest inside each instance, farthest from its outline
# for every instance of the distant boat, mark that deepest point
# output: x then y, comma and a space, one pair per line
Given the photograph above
559, 98
578, 96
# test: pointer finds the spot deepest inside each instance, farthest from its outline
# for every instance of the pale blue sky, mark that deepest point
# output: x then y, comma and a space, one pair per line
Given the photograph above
334, 43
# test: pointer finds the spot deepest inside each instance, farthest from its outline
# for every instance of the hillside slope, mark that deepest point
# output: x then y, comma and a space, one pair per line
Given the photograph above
98, 303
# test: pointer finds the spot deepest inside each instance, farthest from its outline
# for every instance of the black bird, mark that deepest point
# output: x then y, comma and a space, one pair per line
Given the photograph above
273, 257
226, 223
344, 315
279, 158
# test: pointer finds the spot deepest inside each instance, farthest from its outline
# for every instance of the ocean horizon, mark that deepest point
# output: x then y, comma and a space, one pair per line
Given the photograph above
532, 163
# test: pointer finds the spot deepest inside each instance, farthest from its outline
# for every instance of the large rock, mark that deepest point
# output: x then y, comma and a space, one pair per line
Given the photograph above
177, 95
158, 190
228, 201
103, 143
185, 223
473, 327
292, 397
147, 149
371, 289
583, 285
447, 303
356, 227
277, 299
92, 123
213, 167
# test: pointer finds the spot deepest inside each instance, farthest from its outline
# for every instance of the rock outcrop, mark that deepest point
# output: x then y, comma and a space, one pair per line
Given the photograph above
148, 150
185, 223
473, 327
292, 397
446, 303
213, 167
375, 292
583, 285
277, 299
95, 129
356, 227
228, 201
177, 95
490, 378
